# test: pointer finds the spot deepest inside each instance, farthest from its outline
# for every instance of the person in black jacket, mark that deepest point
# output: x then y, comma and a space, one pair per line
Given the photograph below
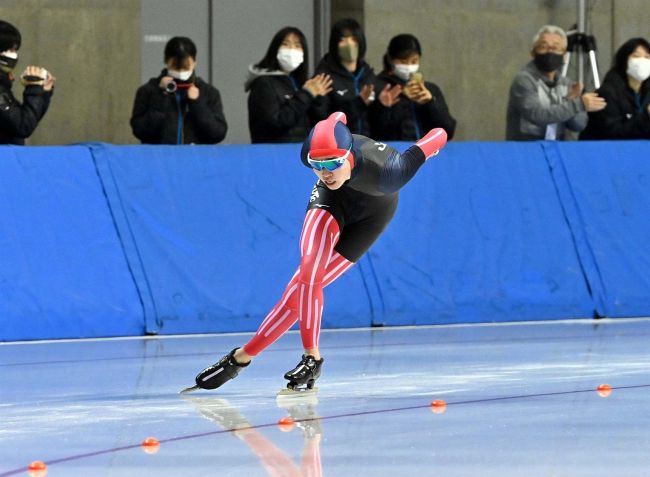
353, 79
412, 105
177, 107
18, 121
626, 88
281, 97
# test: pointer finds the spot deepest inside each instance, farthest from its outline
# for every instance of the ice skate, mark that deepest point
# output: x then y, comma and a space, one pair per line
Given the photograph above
303, 377
214, 376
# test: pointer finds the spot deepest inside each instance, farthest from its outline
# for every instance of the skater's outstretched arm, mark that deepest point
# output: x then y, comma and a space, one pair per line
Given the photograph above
400, 168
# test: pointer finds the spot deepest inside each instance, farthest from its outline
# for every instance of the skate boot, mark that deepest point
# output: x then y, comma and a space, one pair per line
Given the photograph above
214, 376
304, 376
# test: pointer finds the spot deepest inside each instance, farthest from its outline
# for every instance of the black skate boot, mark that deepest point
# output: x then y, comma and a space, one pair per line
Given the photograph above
214, 376
304, 376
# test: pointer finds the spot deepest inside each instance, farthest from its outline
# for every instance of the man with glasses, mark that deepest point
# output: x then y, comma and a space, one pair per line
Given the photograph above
543, 104
351, 204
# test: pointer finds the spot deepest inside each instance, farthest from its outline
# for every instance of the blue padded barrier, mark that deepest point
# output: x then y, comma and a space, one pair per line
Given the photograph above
102, 240
479, 236
63, 273
607, 185
213, 233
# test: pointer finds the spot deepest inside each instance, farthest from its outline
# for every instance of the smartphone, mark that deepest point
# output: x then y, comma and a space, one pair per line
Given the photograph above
416, 77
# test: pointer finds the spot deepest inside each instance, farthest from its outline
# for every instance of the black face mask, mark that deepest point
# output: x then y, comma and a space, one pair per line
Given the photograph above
548, 62
7, 63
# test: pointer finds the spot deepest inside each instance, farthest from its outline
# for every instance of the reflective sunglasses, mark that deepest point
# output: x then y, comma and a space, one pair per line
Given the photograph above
329, 164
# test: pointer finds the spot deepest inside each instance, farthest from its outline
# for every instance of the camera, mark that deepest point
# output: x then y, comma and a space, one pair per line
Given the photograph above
171, 87
174, 86
33, 79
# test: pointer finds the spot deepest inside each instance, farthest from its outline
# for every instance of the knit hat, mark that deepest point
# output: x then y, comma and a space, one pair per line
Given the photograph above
9, 36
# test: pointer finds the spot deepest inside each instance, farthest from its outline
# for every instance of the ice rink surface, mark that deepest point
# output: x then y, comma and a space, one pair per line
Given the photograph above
520, 399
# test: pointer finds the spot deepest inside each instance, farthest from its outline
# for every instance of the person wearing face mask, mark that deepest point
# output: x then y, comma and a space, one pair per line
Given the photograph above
178, 107
18, 121
626, 88
353, 87
281, 98
542, 103
406, 105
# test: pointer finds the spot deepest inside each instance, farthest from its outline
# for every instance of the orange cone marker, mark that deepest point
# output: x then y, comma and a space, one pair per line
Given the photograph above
286, 424
37, 469
151, 445
604, 390
438, 406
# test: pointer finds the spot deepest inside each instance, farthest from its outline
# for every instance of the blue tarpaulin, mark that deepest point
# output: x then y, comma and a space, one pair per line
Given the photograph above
63, 272
103, 240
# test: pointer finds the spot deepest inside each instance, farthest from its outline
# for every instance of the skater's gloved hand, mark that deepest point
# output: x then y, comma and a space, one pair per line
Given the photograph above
432, 142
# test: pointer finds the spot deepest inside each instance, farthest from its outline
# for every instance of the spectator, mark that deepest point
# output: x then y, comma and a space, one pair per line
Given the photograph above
543, 104
406, 104
627, 91
18, 121
353, 79
178, 107
281, 96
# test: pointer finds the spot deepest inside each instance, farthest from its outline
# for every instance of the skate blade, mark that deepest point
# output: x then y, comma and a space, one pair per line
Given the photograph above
296, 393
191, 389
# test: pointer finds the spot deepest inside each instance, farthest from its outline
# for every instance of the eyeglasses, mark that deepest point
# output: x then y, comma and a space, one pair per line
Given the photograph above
546, 48
329, 164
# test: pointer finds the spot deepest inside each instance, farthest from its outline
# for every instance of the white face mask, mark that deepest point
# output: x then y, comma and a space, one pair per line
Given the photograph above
404, 71
290, 58
639, 68
10, 54
180, 75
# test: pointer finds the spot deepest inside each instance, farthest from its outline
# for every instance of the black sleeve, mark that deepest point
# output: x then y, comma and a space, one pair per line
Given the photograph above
399, 168
319, 109
148, 115
435, 113
268, 111
207, 115
21, 120
613, 122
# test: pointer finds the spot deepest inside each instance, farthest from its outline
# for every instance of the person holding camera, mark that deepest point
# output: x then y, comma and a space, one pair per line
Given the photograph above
18, 121
178, 107
542, 103
406, 104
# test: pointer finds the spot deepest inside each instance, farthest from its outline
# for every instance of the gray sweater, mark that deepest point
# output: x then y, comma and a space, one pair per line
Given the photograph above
535, 103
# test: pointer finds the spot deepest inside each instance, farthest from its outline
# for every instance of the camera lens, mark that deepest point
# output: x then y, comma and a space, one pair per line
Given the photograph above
171, 87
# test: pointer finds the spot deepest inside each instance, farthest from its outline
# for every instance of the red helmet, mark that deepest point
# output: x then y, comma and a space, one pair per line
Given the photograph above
330, 137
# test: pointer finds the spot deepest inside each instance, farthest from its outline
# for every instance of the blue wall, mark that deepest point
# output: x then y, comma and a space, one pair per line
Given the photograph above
100, 240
